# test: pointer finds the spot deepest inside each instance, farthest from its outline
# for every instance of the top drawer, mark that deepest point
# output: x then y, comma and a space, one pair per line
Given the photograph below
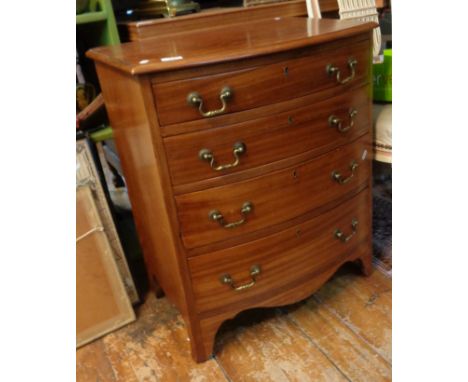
206, 97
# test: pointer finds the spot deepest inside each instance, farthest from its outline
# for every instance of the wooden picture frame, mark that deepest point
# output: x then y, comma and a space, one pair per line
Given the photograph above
102, 303
87, 174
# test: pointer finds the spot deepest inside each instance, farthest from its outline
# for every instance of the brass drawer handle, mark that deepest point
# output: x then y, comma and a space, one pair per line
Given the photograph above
254, 272
215, 215
207, 155
338, 177
195, 99
334, 121
334, 70
341, 236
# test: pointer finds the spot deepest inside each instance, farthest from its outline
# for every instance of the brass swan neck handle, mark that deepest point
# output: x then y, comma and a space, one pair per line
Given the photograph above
227, 279
334, 70
238, 149
195, 99
215, 215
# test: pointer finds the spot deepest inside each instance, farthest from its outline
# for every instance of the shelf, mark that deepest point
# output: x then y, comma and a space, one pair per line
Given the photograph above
91, 17
210, 17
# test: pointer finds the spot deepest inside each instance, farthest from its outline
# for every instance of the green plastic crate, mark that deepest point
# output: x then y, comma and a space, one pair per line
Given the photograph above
383, 78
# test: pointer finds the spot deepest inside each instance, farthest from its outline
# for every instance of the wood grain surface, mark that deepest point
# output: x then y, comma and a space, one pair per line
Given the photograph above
132, 134
139, 30
308, 341
93, 364
276, 197
258, 86
155, 348
170, 223
210, 323
304, 250
350, 353
209, 18
268, 139
148, 183
273, 348
365, 307
203, 47
258, 113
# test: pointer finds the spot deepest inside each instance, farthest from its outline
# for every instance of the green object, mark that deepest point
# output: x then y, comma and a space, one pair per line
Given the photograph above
101, 15
98, 27
81, 6
383, 78
102, 134
91, 17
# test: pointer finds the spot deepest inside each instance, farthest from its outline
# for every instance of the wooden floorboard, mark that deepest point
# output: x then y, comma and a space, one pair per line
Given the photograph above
364, 304
93, 365
263, 345
353, 356
341, 333
154, 348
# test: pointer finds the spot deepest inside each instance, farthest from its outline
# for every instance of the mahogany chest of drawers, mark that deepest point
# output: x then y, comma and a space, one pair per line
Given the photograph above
246, 151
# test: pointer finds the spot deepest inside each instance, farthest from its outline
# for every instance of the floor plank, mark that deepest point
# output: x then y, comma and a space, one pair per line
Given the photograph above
262, 345
364, 304
341, 333
93, 365
156, 348
353, 356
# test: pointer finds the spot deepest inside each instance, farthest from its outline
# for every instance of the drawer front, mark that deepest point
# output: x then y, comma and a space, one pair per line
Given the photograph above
320, 126
273, 264
258, 86
223, 212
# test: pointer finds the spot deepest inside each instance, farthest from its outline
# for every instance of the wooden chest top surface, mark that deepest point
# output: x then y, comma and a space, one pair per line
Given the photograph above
224, 43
